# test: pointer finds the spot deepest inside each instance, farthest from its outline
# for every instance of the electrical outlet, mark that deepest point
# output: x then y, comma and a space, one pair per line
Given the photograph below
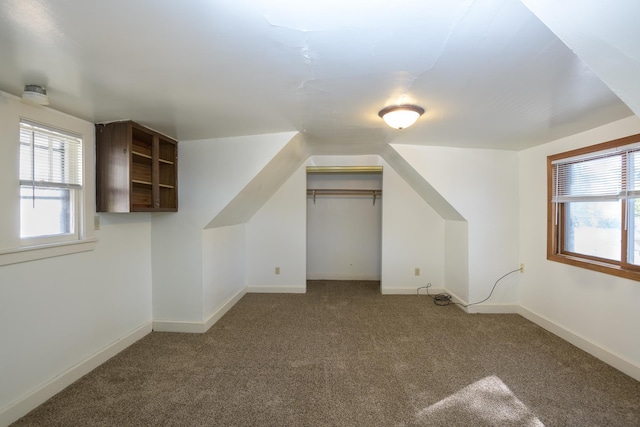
277, 270
96, 222
521, 268
417, 271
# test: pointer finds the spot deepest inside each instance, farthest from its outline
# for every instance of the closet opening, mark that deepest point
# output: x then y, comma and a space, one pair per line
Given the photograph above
344, 227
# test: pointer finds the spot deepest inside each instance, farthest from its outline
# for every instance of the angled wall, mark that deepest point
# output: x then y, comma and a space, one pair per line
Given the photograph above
212, 172
265, 183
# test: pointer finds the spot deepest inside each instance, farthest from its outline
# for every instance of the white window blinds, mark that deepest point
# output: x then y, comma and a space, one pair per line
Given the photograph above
49, 158
599, 176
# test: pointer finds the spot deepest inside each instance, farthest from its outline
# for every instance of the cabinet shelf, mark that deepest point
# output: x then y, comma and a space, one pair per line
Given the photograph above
139, 154
136, 169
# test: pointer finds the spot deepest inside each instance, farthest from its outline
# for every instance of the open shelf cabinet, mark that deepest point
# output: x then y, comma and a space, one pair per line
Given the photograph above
136, 169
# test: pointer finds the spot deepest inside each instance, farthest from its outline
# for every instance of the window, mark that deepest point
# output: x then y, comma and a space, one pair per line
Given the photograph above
50, 184
594, 207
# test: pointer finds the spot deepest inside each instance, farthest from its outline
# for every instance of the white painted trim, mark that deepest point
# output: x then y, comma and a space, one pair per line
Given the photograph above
24, 404
198, 327
484, 308
480, 308
277, 289
410, 291
593, 349
178, 326
494, 308
217, 315
32, 253
340, 277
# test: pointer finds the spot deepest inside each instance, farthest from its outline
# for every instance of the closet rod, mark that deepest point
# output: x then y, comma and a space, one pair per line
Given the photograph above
343, 192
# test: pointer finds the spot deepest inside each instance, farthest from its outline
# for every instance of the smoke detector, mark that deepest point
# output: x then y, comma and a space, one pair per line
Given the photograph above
36, 95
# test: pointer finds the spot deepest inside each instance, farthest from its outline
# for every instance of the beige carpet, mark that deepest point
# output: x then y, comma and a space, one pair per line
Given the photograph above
344, 355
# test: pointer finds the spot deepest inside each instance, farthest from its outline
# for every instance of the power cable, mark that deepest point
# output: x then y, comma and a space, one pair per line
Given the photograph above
445, 299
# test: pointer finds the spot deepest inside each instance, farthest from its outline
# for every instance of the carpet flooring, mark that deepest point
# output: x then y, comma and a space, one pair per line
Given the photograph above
344, 355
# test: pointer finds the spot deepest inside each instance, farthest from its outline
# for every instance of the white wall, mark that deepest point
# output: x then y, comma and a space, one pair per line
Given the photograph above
223, 266
276, 237
412, 237
276, 234
599, 308
414, 233
211, 173
482, 185
55, 313
344, 232
456, 258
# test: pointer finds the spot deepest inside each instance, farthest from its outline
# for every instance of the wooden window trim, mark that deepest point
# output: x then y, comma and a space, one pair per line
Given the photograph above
621, 269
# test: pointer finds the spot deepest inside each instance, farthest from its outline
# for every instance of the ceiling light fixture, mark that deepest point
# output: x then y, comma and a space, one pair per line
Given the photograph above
401, 116
34, 94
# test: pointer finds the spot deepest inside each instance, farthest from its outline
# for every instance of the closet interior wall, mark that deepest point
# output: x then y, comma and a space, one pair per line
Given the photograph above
344, 227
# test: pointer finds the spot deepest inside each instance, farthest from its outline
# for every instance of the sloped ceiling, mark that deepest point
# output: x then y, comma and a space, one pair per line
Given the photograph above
604, 34
489, 73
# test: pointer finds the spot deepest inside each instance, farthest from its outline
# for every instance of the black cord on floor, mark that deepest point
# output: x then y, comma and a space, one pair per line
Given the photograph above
445, 299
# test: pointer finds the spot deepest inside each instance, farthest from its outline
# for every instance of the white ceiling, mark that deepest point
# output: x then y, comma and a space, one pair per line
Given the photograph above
489, 73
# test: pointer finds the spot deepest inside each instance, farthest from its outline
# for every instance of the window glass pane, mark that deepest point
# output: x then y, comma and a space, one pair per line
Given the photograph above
51, 214
594, 229
633, 255
50, 161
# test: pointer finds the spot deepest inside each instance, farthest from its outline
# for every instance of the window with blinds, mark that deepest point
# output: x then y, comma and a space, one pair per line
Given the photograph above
594, 206
50, 182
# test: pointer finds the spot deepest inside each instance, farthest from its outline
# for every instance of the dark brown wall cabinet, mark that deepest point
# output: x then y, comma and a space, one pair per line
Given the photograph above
136, 169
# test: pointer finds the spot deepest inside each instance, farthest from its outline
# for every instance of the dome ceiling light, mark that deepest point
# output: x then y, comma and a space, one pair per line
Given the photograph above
401, 116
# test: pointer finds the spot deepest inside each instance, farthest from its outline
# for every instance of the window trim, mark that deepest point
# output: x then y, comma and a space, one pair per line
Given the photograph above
578, 260
20, 251
41, 251
72, 180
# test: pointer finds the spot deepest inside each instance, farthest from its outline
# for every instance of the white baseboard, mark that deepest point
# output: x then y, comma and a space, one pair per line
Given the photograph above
484, 308
494, 308
340, 277
198, 327
178, 326
410, 291
595, 350
277, 289
23, 405
217, 315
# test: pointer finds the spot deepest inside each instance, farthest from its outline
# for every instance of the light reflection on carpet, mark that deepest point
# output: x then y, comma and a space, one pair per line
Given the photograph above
485, 402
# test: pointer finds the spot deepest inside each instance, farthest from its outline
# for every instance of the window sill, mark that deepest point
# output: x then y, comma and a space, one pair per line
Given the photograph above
32, 253
602, 267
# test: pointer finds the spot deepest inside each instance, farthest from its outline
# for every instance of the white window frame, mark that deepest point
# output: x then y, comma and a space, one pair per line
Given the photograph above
24, 250
71, 183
